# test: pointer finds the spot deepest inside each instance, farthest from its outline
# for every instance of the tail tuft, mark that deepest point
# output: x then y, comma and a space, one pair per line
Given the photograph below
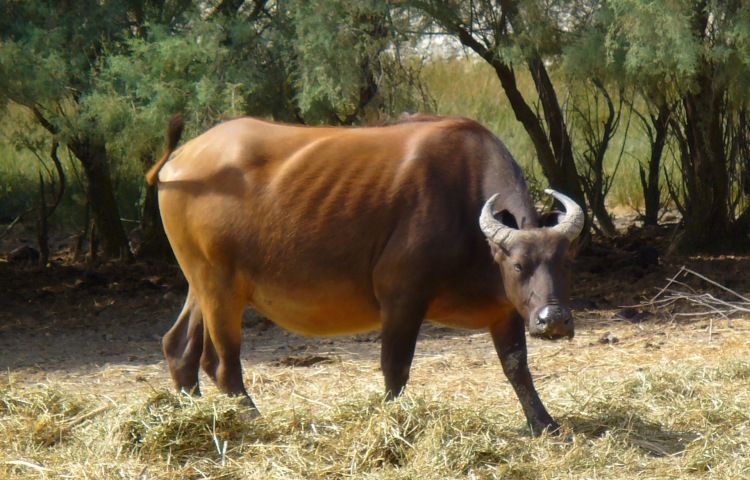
174, 133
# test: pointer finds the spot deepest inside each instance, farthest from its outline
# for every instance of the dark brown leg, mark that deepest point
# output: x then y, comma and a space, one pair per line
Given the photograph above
183, 346
401, 322
509, 337
404, 285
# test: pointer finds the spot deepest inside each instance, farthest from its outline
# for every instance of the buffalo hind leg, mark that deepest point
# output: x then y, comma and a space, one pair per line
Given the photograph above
401, 322
223, 331
209, 359
509, 337
183, 346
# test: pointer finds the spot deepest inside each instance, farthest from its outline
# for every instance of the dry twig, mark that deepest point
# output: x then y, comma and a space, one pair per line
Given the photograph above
678, 292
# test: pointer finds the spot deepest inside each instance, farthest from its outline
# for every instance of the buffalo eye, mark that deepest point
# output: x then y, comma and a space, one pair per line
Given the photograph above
518, 267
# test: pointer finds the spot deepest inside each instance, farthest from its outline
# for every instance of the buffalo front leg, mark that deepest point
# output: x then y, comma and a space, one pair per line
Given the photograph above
401, 322
509, 337
183, 346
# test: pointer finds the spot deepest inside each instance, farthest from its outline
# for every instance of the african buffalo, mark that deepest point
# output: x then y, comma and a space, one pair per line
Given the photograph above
330, 231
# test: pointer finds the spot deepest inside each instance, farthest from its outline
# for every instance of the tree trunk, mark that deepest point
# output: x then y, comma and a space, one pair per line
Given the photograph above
558, 138
557, 165
707, 205
42, 226
650, 179
106, 215
154, 243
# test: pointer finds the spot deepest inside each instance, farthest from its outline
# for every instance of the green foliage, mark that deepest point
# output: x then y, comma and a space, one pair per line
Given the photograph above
668, 51
50, 50
664, 45
331, 48
113, 72
587, 55
349, 62
156, 77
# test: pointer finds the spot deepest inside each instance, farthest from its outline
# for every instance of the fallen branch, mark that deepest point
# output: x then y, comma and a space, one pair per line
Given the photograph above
707, 304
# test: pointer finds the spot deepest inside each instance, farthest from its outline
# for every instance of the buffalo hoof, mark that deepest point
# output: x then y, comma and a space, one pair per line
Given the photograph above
553, 430
249, 411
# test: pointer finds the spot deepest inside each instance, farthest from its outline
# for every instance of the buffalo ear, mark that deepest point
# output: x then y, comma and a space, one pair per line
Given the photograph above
550, 219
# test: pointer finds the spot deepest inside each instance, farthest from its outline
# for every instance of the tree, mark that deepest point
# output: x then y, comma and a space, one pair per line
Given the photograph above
702, 51
506, 34
50, 54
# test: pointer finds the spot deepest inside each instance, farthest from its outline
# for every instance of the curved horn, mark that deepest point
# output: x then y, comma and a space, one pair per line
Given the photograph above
572, 224
493, 229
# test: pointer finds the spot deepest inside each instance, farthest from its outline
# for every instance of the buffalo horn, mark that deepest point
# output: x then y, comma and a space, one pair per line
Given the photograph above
572, 223
495, 230
503, 236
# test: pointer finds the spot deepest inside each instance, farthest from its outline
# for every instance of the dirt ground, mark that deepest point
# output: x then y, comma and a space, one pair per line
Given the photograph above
99, 329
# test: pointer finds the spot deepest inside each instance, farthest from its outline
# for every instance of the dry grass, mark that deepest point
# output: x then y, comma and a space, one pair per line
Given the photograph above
663, 400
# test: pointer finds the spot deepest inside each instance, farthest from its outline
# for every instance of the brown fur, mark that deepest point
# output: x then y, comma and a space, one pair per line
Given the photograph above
341, 230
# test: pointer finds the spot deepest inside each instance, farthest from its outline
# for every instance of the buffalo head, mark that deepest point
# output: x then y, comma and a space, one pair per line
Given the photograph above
535, 265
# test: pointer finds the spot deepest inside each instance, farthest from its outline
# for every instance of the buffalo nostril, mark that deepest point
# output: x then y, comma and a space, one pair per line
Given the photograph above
552, 315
